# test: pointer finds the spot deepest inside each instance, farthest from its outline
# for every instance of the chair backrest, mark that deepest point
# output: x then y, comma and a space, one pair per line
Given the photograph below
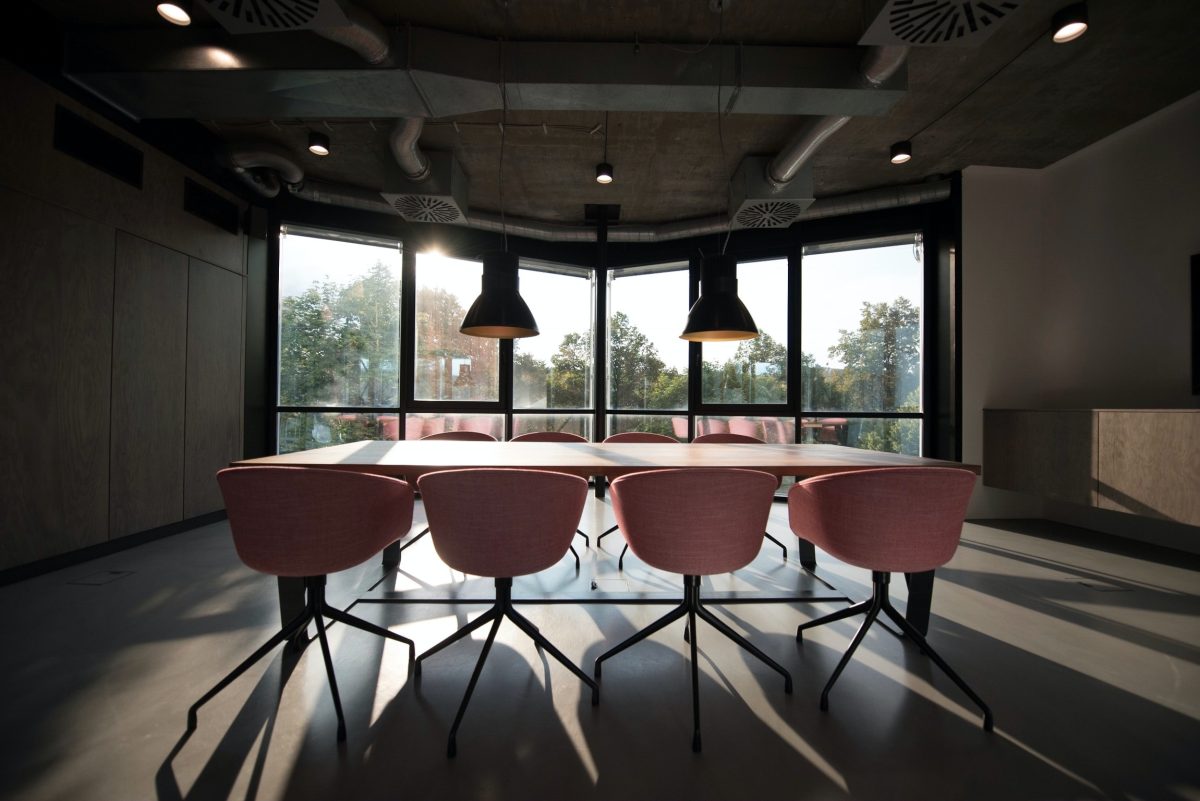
748, 428
899, 519
697, 521
462, 436
486, 425
711, 425
548, 436
502, 522
639, 436
303, 521
729, 439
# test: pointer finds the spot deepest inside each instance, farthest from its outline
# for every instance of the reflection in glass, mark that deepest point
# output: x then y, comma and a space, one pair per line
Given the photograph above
554, 370
654, 423
580, 424
417, 426
450, 365
768, 429
647, 361
301, 431
755, 370
861, 330
339, 322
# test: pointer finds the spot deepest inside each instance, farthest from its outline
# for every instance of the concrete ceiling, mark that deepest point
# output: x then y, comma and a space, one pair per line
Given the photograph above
1015, 100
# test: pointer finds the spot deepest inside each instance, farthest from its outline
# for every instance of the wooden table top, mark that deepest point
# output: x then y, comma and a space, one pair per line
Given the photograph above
412, 458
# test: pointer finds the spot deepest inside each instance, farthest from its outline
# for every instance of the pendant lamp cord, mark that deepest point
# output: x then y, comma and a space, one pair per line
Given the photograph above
720, 127
503, 128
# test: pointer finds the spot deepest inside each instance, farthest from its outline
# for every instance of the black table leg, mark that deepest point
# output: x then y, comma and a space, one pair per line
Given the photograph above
601, 483
291, 604
808, 553
391, 555
920, 597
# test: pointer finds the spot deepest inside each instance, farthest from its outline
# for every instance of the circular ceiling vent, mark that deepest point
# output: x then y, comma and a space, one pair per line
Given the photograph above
241, 16
425, 208
931, 22
769, 214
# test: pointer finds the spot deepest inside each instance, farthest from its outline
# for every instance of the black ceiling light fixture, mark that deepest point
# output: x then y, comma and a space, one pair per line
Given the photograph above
500, 312
318, 143
604, 170
177, 12
719, 315
1070, 23
902, 152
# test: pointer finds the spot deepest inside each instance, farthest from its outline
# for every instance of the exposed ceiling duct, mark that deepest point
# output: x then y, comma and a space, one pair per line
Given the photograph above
406, 150
263, 166
362, 33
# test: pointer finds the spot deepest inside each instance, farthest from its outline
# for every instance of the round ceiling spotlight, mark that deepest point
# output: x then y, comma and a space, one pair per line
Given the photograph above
1070, 23
176, 13
901, 152
318, 143
604, 173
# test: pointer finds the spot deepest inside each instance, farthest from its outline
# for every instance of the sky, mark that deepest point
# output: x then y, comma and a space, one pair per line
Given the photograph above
834, 287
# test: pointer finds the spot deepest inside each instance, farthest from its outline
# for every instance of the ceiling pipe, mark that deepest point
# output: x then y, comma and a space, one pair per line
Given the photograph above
364, 35
407, 150
878, 64
263, 167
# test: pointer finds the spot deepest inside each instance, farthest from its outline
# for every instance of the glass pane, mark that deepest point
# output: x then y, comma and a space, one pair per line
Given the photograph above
647, 361
753, 371
768, 429
554, 369
861, 329
339, 323
450, 365
417, 426
580, 424
301, 431
871, 433
654, 423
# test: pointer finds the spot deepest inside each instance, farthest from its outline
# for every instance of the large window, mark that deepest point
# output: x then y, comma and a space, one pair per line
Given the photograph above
339, 338
647, 361
753, 371
861, 307
554, 369
450, 365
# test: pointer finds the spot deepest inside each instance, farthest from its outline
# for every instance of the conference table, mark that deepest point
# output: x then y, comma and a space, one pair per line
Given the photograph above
410, 459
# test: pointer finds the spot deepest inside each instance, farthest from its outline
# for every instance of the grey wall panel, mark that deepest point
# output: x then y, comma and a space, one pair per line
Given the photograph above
1048, 453
1149, 463
55, 351
214, 383
149, 352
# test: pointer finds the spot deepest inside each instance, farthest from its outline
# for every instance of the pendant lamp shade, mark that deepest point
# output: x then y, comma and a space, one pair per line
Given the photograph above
718, 315
499, 312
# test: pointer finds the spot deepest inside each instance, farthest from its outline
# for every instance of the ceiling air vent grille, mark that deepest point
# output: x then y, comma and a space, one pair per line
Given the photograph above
262, 16
426, 209
937, 22
770, 214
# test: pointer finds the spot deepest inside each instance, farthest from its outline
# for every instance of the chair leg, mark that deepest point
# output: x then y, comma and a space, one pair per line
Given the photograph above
807, 552
333, 688
357, 622
532, 631
605, 533
621, 558
691, 612
486, 617
665, 620
917, 638
841, 614
296, 624
576, 555
782, 547
872, 613
587, 543
722, 627
452, 745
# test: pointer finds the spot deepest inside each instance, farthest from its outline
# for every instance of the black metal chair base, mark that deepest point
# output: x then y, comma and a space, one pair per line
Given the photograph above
315, 611
693, 608
503, 608
879, 602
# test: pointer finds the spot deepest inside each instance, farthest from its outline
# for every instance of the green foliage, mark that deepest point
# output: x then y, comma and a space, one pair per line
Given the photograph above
882, 358
757, 373
442, 350
638, 377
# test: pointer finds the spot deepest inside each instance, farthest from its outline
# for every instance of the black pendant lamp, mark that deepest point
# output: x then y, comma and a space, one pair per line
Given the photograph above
499, 312
719, 315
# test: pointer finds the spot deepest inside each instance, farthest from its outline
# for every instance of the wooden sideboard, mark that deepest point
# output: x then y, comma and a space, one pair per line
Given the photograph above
1140, 461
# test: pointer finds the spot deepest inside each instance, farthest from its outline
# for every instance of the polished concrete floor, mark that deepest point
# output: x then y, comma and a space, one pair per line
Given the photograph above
1086, 647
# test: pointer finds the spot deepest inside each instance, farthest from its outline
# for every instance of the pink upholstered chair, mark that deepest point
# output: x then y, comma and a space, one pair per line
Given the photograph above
631, 436
894, 519
501, 523
697, 522
557, 436
746, 427
305, 523
743, 439
460, 436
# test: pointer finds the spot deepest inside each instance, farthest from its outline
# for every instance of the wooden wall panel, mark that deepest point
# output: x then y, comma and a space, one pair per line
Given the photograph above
56, 268
1149, 463
1050, 453
149, 351
214, 383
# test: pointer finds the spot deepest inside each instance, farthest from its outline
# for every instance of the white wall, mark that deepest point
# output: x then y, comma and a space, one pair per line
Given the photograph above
1075, 286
